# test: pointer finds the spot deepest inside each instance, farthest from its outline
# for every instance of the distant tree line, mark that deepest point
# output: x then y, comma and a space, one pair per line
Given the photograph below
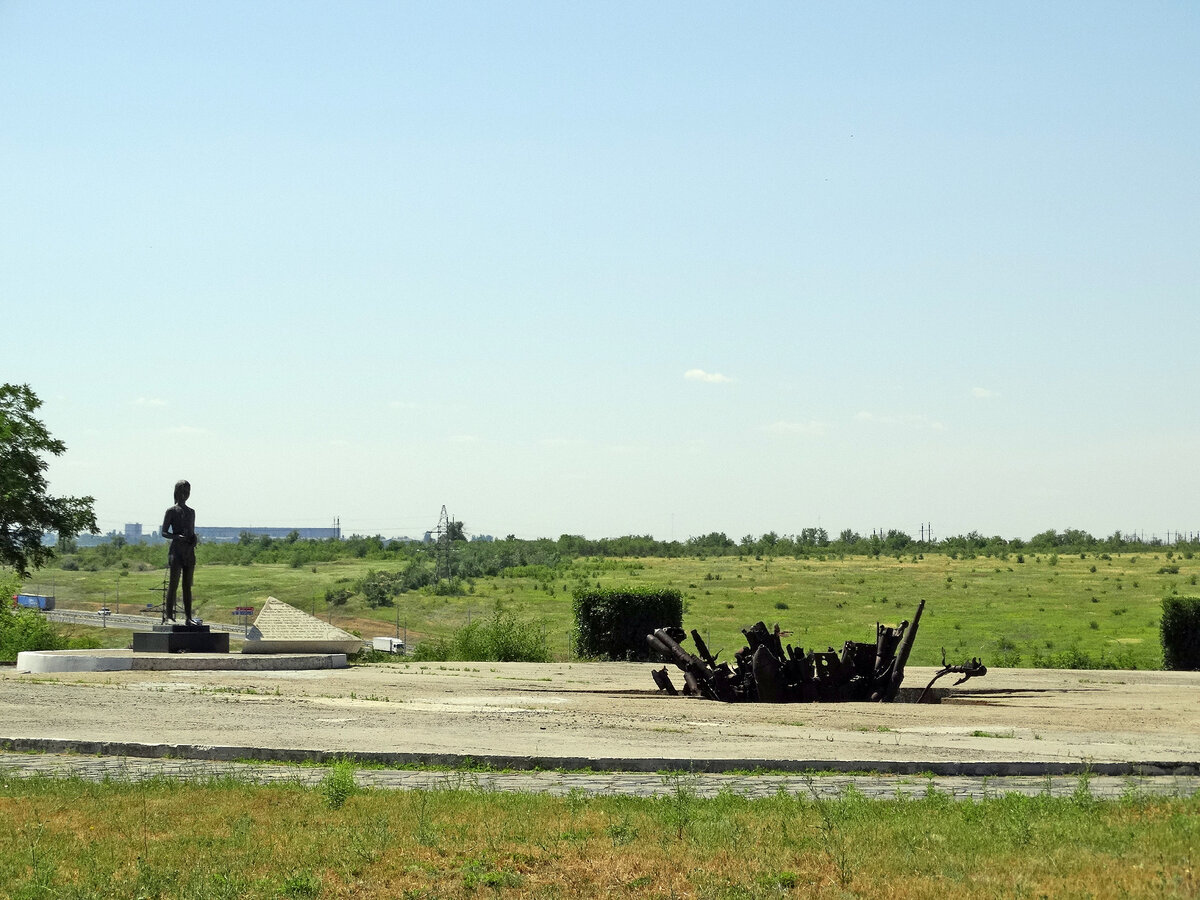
411, 565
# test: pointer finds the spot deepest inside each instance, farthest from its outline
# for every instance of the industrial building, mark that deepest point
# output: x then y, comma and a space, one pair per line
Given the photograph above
220, 534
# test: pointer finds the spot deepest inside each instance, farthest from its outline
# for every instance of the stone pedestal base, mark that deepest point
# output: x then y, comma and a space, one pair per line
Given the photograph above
180, 639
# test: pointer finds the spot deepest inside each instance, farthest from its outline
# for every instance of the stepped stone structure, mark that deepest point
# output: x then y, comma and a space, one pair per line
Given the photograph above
280, 628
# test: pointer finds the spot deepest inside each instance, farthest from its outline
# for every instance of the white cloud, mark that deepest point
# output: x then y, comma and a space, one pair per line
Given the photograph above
464, 439
709, 377
812, 429
984, 393
904, 420
150, 401
187, 430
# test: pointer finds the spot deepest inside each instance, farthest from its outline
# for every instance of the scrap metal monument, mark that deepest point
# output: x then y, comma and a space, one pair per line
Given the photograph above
765, 671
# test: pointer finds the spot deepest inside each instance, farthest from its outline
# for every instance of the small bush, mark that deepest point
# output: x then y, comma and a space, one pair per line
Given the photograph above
338, 784
1007, 655
613, 624
502, 637
24, 629
302, 885
1180, 630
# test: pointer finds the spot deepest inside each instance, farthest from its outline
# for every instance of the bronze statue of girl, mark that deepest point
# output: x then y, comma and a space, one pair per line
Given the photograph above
179, 526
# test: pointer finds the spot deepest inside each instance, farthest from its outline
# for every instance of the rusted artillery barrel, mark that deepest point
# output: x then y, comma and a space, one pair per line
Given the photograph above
902, 652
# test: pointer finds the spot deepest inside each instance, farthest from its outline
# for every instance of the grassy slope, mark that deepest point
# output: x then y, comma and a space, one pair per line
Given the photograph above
974, 607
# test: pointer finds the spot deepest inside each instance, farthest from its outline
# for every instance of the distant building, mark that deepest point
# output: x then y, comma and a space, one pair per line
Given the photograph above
219, 534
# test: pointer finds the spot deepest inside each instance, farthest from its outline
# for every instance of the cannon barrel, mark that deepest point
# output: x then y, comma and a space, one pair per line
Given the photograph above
902, 653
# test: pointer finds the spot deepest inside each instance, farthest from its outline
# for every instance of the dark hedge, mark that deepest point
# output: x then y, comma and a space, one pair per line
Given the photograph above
1181, 633
613, 623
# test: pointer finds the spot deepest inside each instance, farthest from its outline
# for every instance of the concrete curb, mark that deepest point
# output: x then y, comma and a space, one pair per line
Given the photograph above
596, 764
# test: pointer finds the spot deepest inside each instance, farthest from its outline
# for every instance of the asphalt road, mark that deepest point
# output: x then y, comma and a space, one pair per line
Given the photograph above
130, 622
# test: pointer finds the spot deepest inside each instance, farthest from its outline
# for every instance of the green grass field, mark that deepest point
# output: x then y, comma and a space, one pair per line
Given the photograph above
1059, 611
225, 839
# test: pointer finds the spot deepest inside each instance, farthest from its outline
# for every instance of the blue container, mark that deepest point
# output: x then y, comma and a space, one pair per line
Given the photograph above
35, 601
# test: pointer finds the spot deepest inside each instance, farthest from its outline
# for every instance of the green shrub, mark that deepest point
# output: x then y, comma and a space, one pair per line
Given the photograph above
337, 596
25, 629
613, 623
1007, 656
1181, 633
502, 637
338, 784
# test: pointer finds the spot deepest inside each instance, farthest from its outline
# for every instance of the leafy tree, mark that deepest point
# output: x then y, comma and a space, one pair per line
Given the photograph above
715, 543
819, 537
380, 587
26, 510
454, 531
337, 596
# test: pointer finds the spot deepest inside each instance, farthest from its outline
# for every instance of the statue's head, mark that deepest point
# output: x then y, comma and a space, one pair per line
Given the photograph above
183, 490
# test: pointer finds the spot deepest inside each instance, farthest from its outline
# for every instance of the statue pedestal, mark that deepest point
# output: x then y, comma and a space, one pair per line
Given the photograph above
180, 639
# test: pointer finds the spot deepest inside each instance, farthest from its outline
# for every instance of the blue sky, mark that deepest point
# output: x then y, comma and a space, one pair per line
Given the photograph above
609, 268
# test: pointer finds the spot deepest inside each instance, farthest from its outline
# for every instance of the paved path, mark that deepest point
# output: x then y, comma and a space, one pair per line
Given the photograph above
99, 768
608, 717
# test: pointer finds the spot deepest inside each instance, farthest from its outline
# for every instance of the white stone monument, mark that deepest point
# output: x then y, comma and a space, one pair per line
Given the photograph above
280, 628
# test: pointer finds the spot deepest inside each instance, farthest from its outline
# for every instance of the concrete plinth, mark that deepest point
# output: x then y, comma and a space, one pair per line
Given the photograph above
180, 639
